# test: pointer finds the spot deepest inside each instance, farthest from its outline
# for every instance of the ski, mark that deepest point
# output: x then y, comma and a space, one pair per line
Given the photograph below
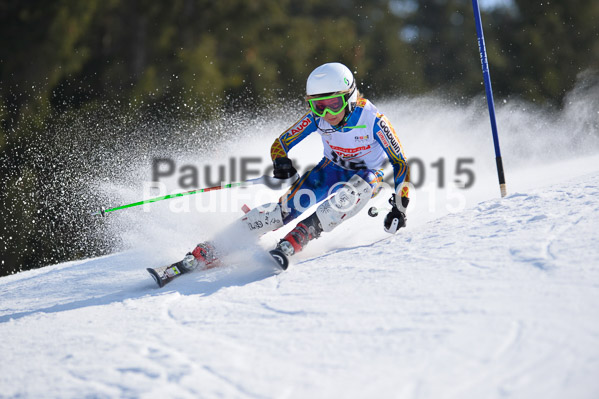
280, 258
165, 274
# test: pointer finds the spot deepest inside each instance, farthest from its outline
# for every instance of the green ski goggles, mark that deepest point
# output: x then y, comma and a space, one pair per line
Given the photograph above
334, 104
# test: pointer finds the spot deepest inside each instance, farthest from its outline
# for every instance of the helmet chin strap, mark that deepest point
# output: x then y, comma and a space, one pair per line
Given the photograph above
348, 106
340, 125
346, 115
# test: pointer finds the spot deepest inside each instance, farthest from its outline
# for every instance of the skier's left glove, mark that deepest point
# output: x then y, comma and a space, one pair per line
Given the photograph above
283, 168
396, 219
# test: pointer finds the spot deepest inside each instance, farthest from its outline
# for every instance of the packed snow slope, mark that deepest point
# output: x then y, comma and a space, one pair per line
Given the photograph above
479, 297
498, 300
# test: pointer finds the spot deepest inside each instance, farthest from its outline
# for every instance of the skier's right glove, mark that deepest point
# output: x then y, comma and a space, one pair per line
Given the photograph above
396, 219
283, 168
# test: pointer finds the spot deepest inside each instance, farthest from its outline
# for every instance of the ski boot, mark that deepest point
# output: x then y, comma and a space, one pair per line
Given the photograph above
204, 254
299, 237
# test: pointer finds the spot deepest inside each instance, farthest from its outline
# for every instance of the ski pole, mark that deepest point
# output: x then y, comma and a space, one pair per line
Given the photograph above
260, 180
489, 92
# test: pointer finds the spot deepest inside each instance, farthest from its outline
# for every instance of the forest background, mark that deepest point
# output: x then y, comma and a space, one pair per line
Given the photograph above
78, 76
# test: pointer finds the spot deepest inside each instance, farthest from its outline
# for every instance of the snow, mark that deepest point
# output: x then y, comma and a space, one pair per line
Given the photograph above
499, 300
486, 298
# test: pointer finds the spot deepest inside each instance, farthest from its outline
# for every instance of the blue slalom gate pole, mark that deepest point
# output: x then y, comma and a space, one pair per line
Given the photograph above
489, 90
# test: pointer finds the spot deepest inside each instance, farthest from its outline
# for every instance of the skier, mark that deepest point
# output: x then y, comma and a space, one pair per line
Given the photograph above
357, 139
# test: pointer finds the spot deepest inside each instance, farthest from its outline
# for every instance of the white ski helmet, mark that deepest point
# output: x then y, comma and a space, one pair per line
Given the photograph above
332, 78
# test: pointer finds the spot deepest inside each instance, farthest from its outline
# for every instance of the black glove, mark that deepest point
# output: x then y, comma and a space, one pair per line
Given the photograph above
396, 219
283, 168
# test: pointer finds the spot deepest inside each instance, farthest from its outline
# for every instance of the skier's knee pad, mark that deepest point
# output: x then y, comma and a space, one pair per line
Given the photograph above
347, 202
263, 219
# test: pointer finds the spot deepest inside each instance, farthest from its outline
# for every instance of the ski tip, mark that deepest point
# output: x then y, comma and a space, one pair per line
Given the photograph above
280, 258
156, 277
